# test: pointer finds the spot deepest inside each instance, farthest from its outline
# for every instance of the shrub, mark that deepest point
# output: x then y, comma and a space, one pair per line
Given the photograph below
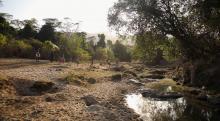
3, 42
101, 54
18, 48
48, 48
36, 44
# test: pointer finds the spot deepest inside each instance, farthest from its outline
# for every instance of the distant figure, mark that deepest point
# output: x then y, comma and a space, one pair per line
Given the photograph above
62, 59
51, 57
37, 56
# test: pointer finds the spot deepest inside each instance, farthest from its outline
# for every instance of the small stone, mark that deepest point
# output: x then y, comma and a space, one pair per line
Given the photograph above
91, 81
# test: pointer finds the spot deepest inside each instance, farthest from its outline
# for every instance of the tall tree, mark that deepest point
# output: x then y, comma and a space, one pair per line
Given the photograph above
47, 31
101, 42
5, 27
178, 18
28, 31
121, 51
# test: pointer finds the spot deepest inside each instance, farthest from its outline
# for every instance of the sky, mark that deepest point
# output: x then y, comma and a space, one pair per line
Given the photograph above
92, 13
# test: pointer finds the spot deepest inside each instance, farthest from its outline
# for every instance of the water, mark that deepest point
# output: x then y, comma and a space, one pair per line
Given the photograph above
181, 109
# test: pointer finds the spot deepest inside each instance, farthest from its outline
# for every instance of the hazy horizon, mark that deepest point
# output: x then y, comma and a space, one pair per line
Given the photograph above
92, 14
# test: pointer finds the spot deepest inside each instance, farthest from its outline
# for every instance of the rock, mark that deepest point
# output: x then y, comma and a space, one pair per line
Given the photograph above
94, 108
154, 76
194, 91
118, 68
161, 95
202, 97
130, 73
116, 77
136, 82
149, 93
58, 69
89, 100
158, 72
91, 81
80, 77
170, 95
139, 68
178, 83
49, 99
42, 86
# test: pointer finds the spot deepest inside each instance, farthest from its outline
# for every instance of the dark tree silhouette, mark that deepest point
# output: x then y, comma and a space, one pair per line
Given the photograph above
28, 32
101, 42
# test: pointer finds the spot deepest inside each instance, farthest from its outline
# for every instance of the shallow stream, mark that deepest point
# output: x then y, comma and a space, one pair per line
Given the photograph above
181, 109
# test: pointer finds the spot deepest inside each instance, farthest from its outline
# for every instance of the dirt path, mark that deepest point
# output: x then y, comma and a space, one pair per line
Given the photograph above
67, 104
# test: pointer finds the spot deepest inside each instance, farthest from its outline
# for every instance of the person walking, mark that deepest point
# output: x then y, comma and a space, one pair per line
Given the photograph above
37, 56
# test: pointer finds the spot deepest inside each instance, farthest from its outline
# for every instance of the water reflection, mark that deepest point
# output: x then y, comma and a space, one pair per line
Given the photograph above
172, 110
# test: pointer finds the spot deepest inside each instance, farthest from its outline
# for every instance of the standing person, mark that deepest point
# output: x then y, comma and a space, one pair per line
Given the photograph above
37, 56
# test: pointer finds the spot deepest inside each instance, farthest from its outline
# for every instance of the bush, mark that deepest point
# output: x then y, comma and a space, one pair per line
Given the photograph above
3, 42
36, 44
18, 48
101, 54
48, 48
121, 52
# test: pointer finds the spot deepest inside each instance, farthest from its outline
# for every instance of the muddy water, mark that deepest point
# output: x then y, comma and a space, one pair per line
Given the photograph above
181, 109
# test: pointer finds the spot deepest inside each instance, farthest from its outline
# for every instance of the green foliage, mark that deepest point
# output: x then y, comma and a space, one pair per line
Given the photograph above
72, 47
101, 53
101, 42
47, 32
121, 52
28, 32
48, 48
3, 40
148, 44
5, 27
181, 19
36, 44
110, 54
18, 48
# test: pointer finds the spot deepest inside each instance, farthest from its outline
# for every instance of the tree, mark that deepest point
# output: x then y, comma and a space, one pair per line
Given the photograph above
83, 36
28, 31
47, 31
5, 27
194, 23
72, 47
178, 18
121, 52
109, 44
101, 42
17, 24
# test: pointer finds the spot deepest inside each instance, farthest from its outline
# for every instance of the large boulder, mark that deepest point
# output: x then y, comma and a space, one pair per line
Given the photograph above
42, 86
